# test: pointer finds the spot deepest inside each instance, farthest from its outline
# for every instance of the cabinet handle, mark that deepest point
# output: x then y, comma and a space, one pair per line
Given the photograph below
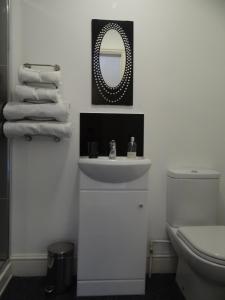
140, 205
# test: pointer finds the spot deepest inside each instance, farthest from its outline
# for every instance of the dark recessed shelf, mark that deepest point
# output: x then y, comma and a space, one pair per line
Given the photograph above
104, 127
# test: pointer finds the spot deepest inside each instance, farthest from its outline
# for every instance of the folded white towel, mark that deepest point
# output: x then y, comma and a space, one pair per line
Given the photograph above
40, 112
28, 75
23, 128
24, 93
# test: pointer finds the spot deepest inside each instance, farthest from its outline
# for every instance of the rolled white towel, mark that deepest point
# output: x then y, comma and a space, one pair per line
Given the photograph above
32, 128
40, 112
28, 75
24, 93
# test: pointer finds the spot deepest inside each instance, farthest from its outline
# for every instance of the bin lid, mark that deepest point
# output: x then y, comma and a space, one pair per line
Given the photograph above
61, 249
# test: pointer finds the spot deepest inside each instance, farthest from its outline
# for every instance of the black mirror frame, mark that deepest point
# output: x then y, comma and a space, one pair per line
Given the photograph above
102, 94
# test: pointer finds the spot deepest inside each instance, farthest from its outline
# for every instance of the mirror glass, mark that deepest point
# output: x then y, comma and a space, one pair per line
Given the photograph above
112, 58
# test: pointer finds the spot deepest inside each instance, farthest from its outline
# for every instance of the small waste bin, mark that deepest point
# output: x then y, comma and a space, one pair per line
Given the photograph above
60, 267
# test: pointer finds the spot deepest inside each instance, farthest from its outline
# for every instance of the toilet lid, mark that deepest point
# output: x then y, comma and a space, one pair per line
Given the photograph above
206, 241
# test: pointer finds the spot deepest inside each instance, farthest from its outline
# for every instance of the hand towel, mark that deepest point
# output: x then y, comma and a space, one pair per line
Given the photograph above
40, 112
28, 75
24, 93
23, 128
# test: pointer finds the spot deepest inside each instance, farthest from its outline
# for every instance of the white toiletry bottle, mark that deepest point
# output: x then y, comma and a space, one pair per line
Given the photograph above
132, 148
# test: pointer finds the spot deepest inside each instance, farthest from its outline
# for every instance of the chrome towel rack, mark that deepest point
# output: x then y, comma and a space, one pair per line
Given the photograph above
38, 84
55, 68
29, 137
29, 65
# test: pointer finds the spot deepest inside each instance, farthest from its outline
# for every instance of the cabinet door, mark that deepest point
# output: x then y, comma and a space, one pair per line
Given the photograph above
112, 235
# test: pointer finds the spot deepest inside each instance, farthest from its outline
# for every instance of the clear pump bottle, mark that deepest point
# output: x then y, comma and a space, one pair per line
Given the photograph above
132, 148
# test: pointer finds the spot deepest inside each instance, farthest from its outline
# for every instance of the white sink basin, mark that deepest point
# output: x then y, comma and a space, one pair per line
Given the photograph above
122, 169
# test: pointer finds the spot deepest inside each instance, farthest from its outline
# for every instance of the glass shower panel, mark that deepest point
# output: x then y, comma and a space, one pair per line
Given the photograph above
4, 194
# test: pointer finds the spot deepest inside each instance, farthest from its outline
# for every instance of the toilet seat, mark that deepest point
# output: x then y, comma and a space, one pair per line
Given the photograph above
207, 242
200, 276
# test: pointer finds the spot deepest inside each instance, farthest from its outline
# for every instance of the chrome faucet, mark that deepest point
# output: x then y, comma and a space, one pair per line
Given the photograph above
112, 151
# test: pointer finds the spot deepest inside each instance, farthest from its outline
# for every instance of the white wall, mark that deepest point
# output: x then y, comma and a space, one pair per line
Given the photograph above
179, 73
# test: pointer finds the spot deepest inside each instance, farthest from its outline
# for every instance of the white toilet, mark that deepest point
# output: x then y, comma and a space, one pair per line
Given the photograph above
191, 224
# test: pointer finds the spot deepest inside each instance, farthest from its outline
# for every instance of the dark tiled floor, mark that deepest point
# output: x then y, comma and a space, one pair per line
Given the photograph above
160, 287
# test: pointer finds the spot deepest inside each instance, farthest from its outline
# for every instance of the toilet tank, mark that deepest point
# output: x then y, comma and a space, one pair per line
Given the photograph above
192, 197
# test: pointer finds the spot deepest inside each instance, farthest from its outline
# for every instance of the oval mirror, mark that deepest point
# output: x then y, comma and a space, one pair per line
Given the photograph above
112, 58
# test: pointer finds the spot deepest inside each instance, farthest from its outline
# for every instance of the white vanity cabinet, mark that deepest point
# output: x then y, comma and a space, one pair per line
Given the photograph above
112, 240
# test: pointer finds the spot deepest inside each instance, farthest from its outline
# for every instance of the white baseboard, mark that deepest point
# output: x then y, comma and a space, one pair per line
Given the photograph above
110, 287
162, 257
164, 265
29, 264
5, 277
36, 264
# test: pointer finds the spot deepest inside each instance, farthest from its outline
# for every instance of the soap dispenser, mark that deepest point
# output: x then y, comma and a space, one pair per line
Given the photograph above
132, 148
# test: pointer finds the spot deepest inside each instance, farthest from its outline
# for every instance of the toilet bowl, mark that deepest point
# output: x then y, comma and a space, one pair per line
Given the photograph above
198, 242
200, 275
